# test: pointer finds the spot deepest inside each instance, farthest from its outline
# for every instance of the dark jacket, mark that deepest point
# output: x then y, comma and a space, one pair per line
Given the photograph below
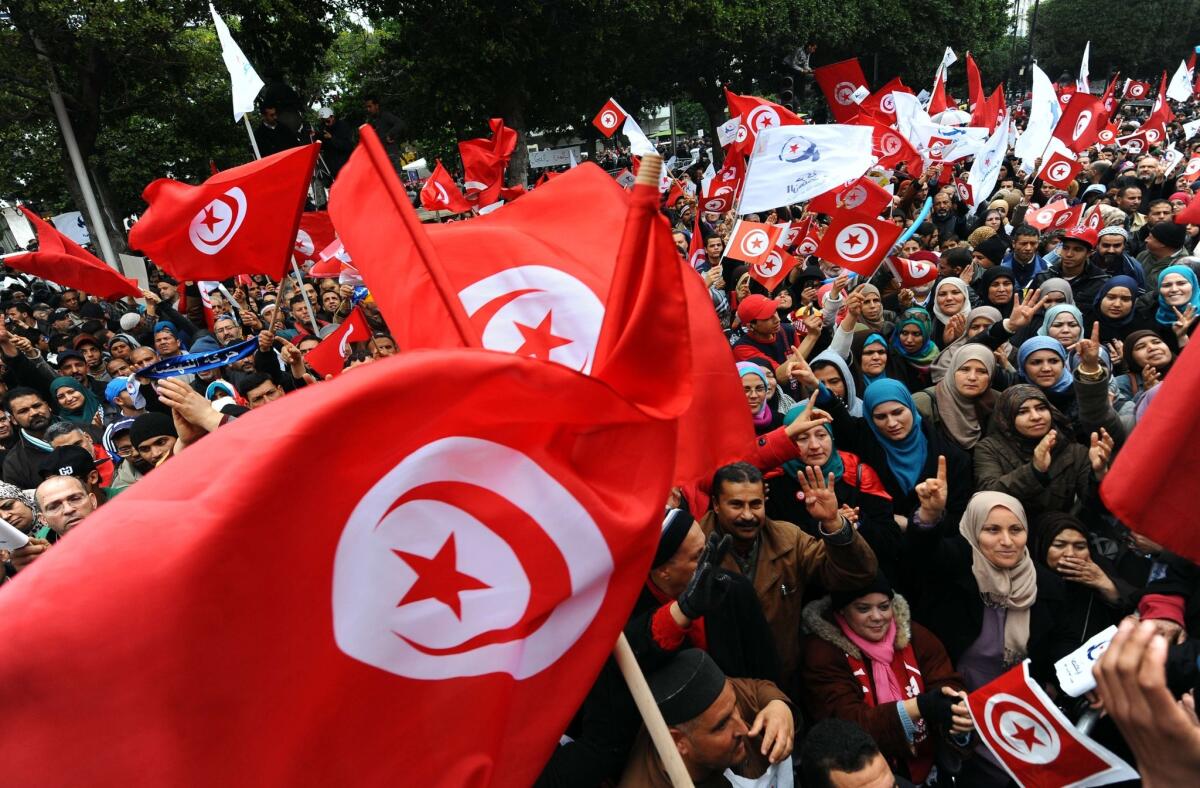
952, 607
21, 464
274, 140
603, 731
336, 150
999, 468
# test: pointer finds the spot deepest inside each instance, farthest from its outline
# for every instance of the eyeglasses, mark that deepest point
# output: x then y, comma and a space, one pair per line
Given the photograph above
75, 500
755, 389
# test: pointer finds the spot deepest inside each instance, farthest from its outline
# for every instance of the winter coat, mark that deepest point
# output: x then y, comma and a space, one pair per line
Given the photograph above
1000, 468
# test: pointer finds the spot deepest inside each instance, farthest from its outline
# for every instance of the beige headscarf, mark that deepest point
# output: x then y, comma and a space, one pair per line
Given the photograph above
960, 413
1014, 589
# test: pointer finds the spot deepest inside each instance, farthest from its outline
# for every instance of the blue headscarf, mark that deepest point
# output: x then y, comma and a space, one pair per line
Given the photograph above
833, 465
873, 339
1056, 310
1165, 314
906, 457
1130, 284
1034, 344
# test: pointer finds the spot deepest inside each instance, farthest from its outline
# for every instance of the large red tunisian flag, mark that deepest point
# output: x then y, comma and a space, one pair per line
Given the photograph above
1081, 122
532, 279
240, 221
432, 614
62, 261
857, 241
1143, 486
1034, 742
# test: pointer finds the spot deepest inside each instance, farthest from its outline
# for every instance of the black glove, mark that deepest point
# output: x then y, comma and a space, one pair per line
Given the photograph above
709, 583
935, 708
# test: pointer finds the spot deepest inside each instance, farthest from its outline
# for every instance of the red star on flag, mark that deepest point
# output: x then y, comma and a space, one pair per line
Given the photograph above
438, 578
854, 240
210, 220
541, 340
1027, 735
756, 243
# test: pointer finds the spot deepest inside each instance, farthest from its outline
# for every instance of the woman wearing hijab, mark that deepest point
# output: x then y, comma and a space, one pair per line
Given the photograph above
1029, 453
872, 362
1063, 322
20, 510
951, 296
855, 483
867, 661
76, 402
902, 447
832, 370
1095, 596
1052, 292
1113, 308
1042, 361
757, 388
996, 287
990, 603
1147, 359
912, 344
1177, 304
979, 320
1056, 290
961, 403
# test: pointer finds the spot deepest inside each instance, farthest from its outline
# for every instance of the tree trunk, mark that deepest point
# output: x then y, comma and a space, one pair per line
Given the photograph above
518, 166
108, 208
713, 102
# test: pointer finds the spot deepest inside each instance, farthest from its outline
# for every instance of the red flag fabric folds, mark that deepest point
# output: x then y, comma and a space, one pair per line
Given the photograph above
479, 559
484, 160
838, 82
240, 221
751, 242
329, 357
864, 196
531, 279
756, 114
440, 193
64, 262
1081, 122
316, 232
610, 118
1137, 488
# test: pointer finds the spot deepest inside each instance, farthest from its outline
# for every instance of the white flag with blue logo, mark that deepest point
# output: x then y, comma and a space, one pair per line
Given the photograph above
245, 80
791, 164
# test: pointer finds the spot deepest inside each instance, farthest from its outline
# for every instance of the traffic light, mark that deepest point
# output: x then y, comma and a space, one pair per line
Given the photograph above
787, 93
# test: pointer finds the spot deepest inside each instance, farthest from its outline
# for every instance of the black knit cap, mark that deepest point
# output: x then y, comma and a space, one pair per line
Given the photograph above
686, 686
878, 585
675, 528
151, 425
1169, 234
993, 249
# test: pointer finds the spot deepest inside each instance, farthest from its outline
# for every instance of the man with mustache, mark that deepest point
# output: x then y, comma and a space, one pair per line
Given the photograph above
31, 414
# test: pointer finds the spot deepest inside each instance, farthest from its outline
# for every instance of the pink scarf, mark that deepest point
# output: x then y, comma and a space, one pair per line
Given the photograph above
881, 654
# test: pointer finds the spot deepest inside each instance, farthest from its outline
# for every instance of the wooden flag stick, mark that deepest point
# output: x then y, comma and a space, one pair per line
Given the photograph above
653, 718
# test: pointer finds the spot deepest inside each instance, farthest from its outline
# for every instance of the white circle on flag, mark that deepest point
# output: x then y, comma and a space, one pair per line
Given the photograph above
888, 103
761, 117
964, 191
215, 225
1021, 730
854, 197
1152, 135
807, 246
843, 93
1059, 171
741, 134
483, 616
890, 144
856, 242
1135, 145
1081, 124
304, 244
1106, 135
608, 119
1045, 216
1193, 166
344, 342
443, 196
517, 303
1137, 91
754, 243
771, 266
919, 269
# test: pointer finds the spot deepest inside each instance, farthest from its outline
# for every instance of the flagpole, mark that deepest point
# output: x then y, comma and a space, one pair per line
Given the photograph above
250, 132
655, 724
312, 316
98, 228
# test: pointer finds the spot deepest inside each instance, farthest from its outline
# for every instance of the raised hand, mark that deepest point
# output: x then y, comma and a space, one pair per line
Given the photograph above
1183, 321
811, 417
1088, 349
1100, 452
839, 284
968, 273
820, 498
1022, 313
955, 328
1150, 377
906, 298
709, 582
801, 372
814, 322
1043, 452
932, 494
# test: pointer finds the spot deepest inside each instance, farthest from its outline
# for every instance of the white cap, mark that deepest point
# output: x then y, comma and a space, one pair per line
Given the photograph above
324, 112
129, 320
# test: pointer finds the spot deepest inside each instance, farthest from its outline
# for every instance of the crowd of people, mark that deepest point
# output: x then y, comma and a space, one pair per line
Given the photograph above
919, 512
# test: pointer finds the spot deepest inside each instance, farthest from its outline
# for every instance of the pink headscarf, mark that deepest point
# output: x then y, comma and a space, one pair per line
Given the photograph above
881, 654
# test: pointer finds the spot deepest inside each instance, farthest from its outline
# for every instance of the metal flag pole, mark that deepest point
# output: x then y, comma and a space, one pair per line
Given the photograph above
250, 131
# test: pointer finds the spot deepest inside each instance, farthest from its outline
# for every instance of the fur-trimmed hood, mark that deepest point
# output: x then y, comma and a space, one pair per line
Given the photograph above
817, 620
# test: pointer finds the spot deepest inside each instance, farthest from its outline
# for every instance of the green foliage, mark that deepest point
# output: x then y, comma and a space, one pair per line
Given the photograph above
1141, 40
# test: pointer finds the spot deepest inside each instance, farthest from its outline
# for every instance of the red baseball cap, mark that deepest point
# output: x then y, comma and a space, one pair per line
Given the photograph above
1083, 234
756, 307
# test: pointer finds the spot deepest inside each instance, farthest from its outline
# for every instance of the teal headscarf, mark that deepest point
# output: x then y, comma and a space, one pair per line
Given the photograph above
833, 465
916, 316
873, 339
91, 403
906, 457
1165, 314
1053, 312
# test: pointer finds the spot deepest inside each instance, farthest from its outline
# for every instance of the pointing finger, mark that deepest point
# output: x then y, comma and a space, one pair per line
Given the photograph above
941, 471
